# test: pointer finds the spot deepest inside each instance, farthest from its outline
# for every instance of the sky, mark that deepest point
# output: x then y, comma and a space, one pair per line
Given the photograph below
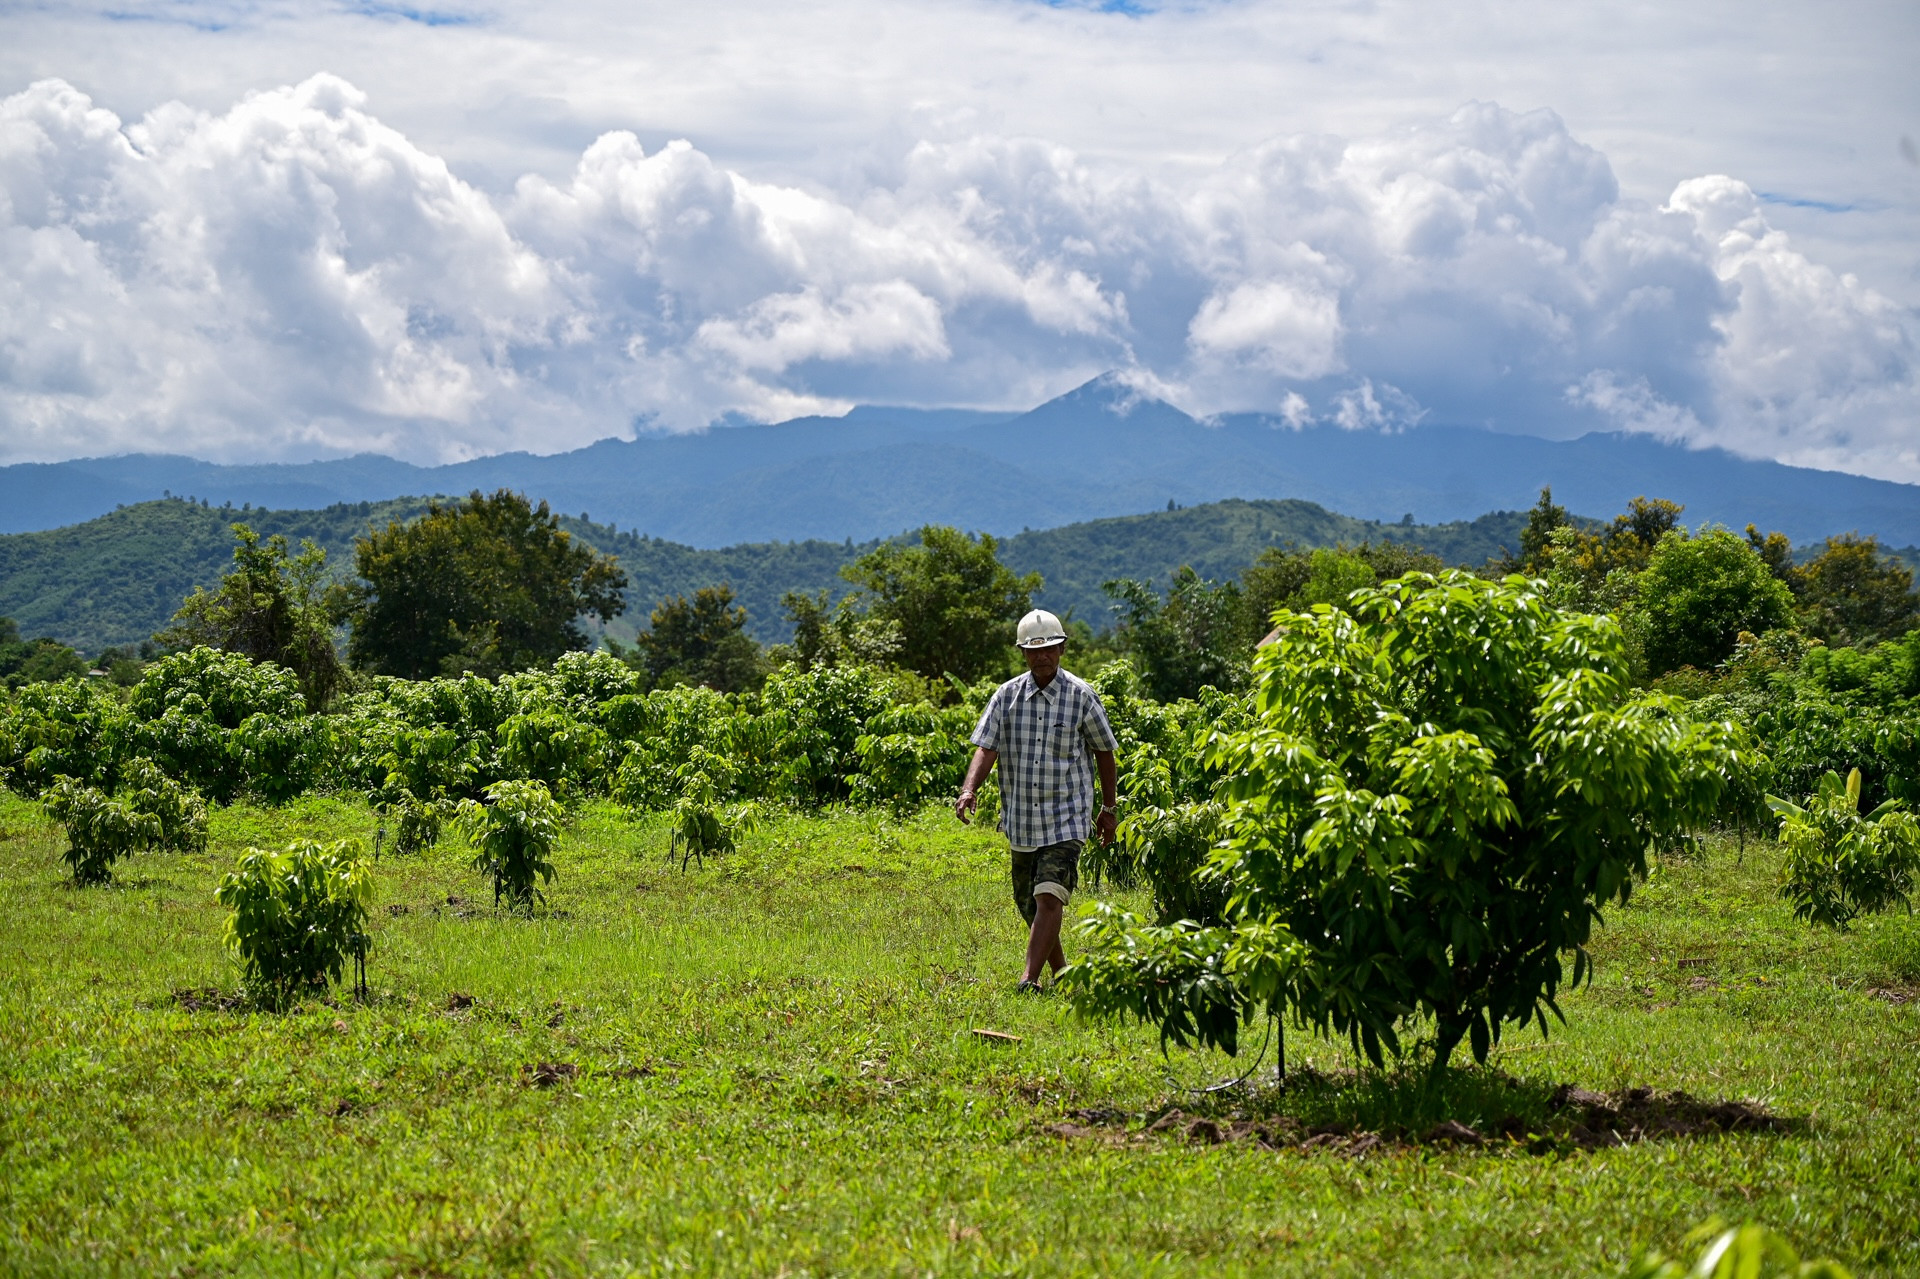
273, 231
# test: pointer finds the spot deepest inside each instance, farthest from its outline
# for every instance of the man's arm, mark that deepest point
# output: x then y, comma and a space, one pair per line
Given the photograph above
1109, 819
977, 770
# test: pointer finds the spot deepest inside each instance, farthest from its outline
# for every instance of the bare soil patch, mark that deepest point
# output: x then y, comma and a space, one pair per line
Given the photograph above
1579, 1119
208, 999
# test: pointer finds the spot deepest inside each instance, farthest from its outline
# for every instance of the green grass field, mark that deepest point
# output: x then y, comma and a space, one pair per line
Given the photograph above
776, 1074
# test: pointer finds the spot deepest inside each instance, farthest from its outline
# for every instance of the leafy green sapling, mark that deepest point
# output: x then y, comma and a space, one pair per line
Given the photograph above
294, 918
1839, 864
150, 812
513, 835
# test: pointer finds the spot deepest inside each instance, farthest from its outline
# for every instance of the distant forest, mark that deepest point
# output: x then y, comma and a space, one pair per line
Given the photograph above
117, 579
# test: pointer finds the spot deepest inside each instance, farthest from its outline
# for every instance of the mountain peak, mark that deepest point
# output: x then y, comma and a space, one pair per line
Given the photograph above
1122, 392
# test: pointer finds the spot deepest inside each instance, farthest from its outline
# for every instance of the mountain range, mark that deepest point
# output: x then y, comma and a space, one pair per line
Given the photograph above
1102, 450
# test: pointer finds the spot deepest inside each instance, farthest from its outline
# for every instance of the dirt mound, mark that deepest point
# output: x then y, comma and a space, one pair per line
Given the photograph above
1637, 1114
1579, 1119
208, 999
548, 1073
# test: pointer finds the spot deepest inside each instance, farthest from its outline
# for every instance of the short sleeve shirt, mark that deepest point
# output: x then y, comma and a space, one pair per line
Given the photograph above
1045, 739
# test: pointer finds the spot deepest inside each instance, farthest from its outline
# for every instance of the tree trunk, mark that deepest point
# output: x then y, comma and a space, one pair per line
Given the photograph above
1448, 1032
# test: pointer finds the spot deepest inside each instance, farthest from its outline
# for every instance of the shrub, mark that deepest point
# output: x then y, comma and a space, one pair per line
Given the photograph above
1841, 865
427, 769
73, 729
551, 747
513, 835
702, 823
100, 829
1439, 788
819, 717
907, 754
294, 918
150, 813
223, 724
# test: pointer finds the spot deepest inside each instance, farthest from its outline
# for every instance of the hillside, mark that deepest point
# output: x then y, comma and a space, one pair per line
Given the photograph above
1097, 452
118, 578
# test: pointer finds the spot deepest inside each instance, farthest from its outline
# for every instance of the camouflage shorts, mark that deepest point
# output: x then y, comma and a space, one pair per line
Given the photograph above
1054, 864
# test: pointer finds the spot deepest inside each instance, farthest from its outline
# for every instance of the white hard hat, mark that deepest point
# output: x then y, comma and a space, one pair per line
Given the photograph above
1041, 629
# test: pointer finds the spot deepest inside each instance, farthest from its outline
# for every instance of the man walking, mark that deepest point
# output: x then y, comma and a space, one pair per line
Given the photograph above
1049, 733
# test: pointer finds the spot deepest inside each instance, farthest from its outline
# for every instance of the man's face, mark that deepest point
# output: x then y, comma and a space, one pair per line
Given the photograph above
1044, 662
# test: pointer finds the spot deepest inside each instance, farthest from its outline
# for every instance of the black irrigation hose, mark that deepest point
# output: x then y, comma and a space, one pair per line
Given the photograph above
1259, 1059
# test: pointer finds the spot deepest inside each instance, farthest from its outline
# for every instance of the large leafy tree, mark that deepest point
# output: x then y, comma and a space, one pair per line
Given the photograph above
489, 584
1194, 639
270, 607
1852, 593
702, 640
954, 603
1536, 539
1442, 785
1699, 593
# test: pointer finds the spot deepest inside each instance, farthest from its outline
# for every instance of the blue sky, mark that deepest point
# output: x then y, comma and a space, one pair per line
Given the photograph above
275, 230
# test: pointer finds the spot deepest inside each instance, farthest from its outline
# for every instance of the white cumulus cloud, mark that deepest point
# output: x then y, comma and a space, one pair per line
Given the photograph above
289, 276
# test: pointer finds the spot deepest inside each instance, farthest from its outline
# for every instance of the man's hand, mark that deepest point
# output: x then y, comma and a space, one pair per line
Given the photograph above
1106, 824
977, 769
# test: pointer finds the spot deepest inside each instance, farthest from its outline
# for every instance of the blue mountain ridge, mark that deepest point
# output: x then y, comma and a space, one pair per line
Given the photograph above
1098, 451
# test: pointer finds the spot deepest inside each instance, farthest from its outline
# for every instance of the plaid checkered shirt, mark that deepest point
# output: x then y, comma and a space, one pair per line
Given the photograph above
1045, 739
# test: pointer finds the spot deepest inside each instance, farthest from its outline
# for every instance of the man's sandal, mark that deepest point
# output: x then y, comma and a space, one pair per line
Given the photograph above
1030, 988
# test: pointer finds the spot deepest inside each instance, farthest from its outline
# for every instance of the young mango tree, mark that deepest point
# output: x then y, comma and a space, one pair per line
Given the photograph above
1841, 865
513, 835
1441, 785
296, 917
426, 770
149, 813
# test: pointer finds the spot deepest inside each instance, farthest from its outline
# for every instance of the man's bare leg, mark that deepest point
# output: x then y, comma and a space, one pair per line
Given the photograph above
1043, 939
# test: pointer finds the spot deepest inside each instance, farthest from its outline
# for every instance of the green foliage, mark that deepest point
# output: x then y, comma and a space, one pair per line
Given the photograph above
952, 601
908, 754
1424, 804
1297, 580
552, 747
1184, 978
1739, 1252
270, 608
225, 725
701, 822
40, 661
114, 581
1196, 639
294, 918
100, 829
1169, 817
818, 717
1598, 570
1841, 865
1220, 540
701, 641
1852, 593
842, 636
53, 583
149, 813
1697, 594
490, 585
513, 835
72, 729
1536, 539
